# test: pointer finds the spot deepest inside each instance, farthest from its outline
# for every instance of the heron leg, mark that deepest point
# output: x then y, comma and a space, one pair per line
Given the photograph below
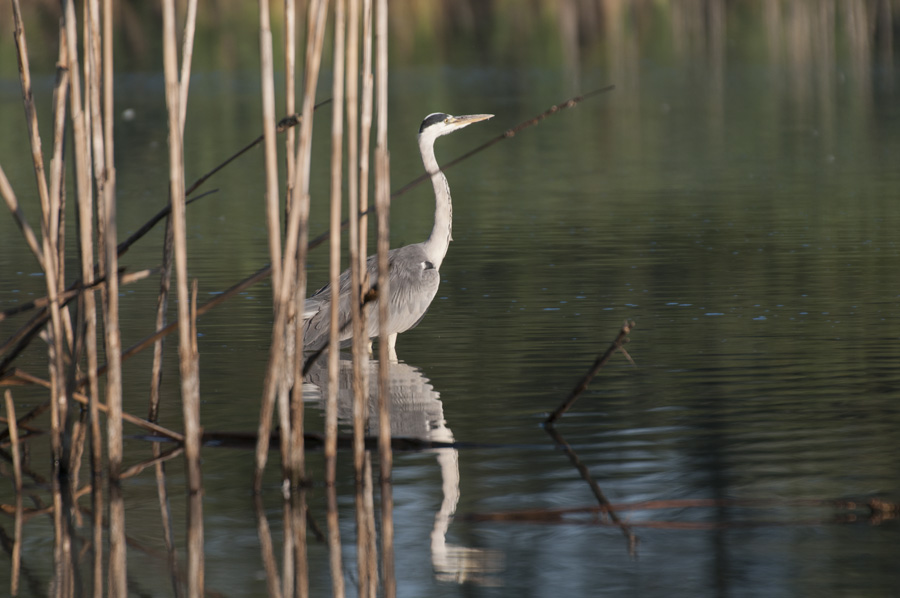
392, 344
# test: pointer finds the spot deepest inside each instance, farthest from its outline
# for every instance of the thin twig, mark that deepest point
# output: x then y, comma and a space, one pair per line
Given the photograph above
571, 102
554, 109
154, 460
599, 363
18, 375
71, 292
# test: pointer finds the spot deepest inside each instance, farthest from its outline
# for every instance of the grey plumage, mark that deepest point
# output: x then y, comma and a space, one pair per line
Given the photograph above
413, 270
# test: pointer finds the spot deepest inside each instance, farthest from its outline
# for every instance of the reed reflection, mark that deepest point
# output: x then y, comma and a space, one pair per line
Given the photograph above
416, 412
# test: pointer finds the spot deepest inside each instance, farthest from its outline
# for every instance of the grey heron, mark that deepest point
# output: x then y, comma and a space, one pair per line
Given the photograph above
413, 269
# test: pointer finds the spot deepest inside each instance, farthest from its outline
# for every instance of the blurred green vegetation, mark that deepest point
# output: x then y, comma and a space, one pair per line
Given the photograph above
533, 33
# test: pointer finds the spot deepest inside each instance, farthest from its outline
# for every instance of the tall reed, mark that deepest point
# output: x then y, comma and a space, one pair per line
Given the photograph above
383, 204
188, 358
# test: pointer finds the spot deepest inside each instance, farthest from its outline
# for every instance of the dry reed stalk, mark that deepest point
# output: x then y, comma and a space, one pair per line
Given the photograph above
274, 370
360, 355
267, 550
382, 203
290, 96
50, 237
166, 513
331, 417
298, 531
337, 135
162, 309
12, 203
162, 302
371, 535
51, 231
107, 227
17, 485
106, 230
300, 205
76, 452
162, 305
58, 195
267, 83
30, 110
187, 54
158, 458
273, 222
88, 310
188, 362
365, 130
366, 537
288, 560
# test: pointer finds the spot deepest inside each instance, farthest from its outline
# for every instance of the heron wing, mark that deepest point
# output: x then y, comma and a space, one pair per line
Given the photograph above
413, 283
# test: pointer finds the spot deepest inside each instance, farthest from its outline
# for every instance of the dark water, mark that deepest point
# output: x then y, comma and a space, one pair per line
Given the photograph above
744, 215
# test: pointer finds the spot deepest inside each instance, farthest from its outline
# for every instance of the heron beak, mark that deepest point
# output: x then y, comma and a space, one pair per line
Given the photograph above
464, 121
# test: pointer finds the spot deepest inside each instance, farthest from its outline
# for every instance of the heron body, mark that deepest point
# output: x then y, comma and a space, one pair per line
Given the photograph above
413, 270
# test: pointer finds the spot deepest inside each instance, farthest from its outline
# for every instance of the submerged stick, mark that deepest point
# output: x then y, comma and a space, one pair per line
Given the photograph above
599, 363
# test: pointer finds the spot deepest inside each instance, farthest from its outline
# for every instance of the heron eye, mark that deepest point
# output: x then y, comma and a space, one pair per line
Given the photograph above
427, 265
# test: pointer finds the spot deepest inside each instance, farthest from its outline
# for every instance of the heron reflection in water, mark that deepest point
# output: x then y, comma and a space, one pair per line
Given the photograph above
413, 269
416, 412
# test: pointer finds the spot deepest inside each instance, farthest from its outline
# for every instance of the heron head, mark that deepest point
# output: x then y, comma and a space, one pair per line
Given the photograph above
438, 123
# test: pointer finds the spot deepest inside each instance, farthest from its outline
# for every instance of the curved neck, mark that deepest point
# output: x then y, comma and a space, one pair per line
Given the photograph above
439, 240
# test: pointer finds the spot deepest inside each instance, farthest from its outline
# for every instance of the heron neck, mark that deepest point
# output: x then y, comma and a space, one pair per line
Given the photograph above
439, 240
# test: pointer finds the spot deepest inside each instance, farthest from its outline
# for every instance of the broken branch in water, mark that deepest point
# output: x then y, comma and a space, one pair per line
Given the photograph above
617, 345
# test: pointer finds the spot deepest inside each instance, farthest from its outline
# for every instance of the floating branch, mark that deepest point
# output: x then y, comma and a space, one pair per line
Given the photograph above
617, 345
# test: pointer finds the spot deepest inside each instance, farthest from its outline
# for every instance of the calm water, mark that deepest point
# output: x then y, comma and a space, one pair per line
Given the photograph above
744, 214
